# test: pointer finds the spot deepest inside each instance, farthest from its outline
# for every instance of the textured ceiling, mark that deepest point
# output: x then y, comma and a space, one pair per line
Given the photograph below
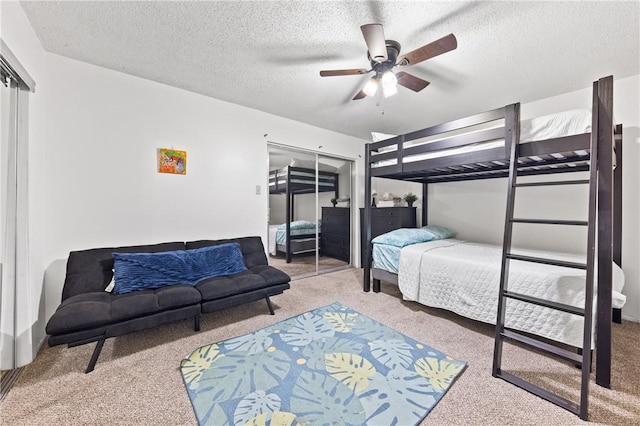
267, 55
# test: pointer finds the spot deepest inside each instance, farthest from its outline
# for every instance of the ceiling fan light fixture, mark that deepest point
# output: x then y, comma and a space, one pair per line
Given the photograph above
371, 87
389, 84
389, 90
388, 78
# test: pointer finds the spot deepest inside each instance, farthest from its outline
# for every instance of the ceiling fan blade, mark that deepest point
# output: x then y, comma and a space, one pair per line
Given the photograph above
359, 95
334, 73
411, 81
428, 51
377, 45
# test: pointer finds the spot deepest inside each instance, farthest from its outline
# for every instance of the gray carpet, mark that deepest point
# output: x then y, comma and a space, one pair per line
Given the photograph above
136, 380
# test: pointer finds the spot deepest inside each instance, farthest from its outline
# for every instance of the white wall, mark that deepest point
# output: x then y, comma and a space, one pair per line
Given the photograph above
476, 209
102, 188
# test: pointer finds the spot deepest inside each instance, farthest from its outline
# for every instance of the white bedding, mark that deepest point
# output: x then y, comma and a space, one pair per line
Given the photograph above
273, 230
550, 126
464, 278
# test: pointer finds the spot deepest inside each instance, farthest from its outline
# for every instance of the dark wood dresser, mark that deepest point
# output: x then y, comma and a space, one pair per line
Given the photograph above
336, 233
385, 219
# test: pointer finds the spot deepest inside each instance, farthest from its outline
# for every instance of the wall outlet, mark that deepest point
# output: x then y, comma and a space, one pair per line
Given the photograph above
258, 189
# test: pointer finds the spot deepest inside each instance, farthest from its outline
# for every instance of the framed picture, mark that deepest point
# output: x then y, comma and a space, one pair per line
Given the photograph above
172, 161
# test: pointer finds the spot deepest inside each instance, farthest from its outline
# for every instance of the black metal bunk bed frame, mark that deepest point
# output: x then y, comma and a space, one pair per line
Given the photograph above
297, 181
558, 155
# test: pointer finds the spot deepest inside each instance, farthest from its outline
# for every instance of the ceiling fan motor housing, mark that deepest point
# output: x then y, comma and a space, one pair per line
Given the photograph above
393, 50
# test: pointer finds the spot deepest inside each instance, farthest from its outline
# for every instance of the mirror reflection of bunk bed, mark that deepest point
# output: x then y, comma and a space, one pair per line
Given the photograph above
297, 236
498, 144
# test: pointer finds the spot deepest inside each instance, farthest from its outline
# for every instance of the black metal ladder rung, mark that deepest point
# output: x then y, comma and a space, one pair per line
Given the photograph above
554, 183
551, 221
542, 393
537, 344
546, 261
546, 303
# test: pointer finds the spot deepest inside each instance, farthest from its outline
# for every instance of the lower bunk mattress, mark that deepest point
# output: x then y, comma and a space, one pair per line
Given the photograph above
464, 278
302, 240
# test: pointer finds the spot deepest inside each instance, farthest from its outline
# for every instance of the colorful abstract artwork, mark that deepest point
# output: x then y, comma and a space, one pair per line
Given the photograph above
172, 161
331, 365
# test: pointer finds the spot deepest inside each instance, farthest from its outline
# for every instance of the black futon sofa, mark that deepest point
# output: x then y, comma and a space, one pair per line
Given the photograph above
88, 313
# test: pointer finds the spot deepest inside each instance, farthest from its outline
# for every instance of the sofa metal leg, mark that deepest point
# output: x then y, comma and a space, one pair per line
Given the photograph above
196, 322
94, 356
269, 305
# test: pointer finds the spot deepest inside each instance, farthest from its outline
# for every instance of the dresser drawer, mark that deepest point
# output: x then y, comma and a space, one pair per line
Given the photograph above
337, 252
386, 212
380, 225
341, 240
328, 212
335, 228
336, 232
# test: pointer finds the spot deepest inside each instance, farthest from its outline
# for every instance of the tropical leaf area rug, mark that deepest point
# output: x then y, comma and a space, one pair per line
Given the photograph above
329, 366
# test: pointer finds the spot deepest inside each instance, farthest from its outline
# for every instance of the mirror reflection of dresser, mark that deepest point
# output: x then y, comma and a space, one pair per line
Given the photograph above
336, 233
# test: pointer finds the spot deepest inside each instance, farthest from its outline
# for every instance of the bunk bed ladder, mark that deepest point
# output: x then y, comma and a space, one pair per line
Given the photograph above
583, 356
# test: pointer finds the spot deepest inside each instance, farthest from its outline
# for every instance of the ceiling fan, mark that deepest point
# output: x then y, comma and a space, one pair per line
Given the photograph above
384, 56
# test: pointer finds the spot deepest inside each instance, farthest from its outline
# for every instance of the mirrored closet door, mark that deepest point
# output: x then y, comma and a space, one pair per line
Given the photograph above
310, 211
14, 251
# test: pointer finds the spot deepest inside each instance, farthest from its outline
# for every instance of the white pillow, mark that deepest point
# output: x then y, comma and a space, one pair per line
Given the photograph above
109, 288
377, 136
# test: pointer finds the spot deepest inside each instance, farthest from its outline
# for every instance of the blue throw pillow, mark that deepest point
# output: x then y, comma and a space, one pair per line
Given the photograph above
439, 232
142, 271
403, 237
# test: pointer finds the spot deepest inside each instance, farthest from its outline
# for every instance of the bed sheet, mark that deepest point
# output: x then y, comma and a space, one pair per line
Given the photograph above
387, 257
464, 277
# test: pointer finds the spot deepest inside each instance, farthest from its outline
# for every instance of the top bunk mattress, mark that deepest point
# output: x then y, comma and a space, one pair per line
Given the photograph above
566, 123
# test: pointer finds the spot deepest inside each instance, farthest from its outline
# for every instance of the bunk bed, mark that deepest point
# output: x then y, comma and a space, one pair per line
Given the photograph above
292, 181
497, 144
302, 233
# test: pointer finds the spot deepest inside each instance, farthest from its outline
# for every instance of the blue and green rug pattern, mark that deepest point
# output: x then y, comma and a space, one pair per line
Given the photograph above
331, 365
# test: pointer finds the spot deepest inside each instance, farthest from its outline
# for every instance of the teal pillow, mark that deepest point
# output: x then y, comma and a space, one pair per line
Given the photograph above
439, 232
404, 236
